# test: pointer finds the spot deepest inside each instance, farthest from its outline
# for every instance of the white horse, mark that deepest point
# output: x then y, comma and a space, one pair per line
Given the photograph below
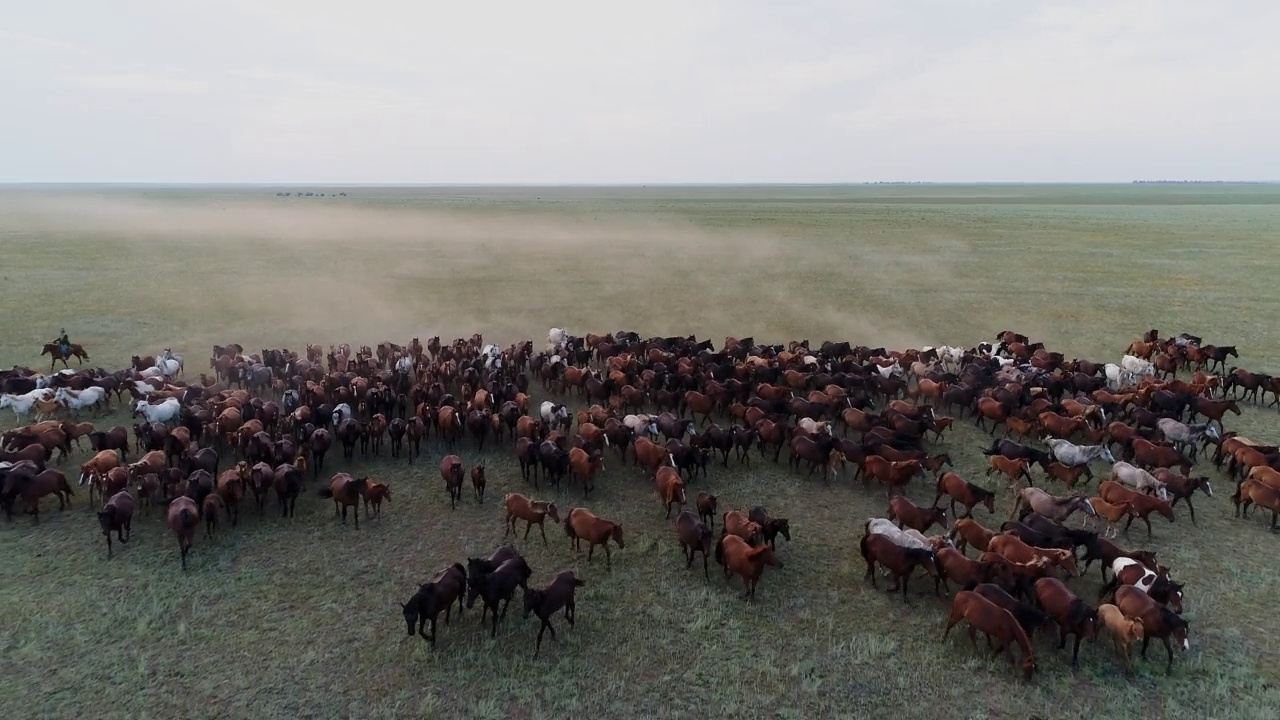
1137, 366
164, 412
1138, 479
554, 413
342, 412
405, 365
641, 424
1185, 436
22, 404
882, 526
556, 338
1072, 455
94, 397
168, 354
951, 356
1118, 377
151, 372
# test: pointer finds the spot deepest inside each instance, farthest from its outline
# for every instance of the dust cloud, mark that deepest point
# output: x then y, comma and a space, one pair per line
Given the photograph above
283, 272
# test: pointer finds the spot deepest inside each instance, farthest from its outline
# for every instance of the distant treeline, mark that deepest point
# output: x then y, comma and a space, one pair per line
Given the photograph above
1198, 182
309, 194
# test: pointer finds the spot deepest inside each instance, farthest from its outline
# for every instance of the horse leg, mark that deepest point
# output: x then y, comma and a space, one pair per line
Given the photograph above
706, 572
608, 556
538, 647
1169, 649
1192, 509
1075, 652
1147, 519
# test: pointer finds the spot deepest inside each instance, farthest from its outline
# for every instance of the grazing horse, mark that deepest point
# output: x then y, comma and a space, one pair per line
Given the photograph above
983, 615
558, 593
448, 585
346, 491
117, 515
695, 537
1157, 621
1053, 507
55, 353
1073, 616
739, 557
898, 560
533, 512
182, 518
581, 524
1072, 455
1123, 630
969, 495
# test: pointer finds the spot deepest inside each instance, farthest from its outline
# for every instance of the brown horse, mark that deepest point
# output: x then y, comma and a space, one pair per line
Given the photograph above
899, 561
739, 557
533, 512
1252, 492
894, 475
581, 524
1014, 549
558, 593
117, 515
983, 615
183, 517
1013, 468
452, 471
954, 566
54, 351
346, 492
375, 494
968, 531
448, 585
30, 485
908, 514
1181, 487
1074, 617
671, 489
1157, 620
695, 537
969, 495
1123, 630
1143, 505
706, 503
478, 481
1069, 476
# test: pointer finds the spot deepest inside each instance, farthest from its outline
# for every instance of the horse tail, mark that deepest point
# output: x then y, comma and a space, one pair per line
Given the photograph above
325, 492
568, 528
188, 519
1112, 585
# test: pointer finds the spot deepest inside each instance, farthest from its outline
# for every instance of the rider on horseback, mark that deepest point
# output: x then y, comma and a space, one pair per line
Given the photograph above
63, 343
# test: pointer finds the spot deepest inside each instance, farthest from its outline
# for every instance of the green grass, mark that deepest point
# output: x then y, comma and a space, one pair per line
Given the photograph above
301, 617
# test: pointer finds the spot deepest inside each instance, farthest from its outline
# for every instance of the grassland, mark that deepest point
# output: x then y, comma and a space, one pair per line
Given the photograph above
300, 618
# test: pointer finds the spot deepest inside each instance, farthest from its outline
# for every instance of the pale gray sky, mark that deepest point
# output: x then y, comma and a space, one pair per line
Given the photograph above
654, 91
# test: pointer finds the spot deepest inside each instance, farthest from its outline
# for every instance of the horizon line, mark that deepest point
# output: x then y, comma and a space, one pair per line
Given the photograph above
497, 185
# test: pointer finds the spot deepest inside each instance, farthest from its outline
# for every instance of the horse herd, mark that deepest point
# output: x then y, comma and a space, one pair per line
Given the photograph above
673, 408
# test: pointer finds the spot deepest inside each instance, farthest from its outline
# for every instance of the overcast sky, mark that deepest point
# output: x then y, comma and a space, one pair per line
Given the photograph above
654, 91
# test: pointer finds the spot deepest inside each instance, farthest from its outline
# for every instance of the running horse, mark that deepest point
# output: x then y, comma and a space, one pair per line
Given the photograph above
55, 353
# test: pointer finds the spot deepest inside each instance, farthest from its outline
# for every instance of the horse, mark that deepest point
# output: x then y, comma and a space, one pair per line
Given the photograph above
770, 527
885, 527
1072, 455
1149, 454
1253, 492
1143, 505
448, 585
1111, 513
953, 565
182, 518
346, 491
1157, 621
117, 515
1180, 487
27, 481
1156, 583
706, 504
581, 524
557, 593
1073, 616
969, 495
1013, 468
55, 352
739, 557
967, 531
898, 560
1124, 631
908, 514
695, 537
671, 490
1053, 507
452, 471
1138, 479
998, 623
497, 587
533, 512
478, 482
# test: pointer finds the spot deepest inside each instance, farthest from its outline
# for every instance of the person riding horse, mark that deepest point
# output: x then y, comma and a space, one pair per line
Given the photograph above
64, 344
